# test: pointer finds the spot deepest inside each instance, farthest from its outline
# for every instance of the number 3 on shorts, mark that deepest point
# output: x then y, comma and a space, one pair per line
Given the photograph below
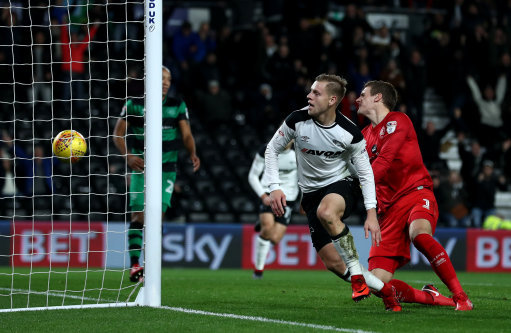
426, 203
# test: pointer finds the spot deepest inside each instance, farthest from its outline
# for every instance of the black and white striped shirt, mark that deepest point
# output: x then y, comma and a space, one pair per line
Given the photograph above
324, 154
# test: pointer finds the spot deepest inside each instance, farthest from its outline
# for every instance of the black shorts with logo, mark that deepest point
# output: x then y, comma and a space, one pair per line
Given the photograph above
284, 219
348, 188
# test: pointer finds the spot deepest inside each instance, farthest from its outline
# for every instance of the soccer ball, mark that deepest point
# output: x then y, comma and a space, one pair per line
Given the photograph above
69, 145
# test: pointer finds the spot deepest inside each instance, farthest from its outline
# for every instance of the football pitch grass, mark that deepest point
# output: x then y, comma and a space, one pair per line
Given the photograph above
201, 300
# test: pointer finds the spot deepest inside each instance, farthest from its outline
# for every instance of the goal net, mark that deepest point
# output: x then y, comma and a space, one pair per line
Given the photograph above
69, 65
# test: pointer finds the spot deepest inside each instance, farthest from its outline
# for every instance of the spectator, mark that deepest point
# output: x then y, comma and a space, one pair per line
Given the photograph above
33, 173
215, 105
416, 76
452, 200
74, 71
349, 108
187, 46
485, 190
42, 68
207, 71
471, 161
490, 108
392, 73
264, 111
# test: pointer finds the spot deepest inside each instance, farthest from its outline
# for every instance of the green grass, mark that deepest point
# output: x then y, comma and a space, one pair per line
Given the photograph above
296, 298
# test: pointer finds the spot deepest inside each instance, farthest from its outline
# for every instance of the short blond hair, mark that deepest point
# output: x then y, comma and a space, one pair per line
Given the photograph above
336, 85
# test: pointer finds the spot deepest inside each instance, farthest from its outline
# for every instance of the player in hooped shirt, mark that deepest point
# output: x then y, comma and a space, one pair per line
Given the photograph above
407, 208
326, 143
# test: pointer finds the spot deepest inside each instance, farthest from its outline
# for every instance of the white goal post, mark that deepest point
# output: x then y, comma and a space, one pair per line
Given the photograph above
64, 227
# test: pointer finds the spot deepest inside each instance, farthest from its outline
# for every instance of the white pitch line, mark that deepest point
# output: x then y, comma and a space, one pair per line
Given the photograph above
198, 312
265, 320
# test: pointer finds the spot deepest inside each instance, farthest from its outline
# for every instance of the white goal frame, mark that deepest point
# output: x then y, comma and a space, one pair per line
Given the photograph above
150, 293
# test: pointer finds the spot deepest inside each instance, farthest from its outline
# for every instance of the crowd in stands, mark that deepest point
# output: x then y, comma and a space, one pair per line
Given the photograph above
235, 71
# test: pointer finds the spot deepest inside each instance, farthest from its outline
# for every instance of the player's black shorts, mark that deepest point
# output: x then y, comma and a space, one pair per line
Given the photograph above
284, 219
347, 188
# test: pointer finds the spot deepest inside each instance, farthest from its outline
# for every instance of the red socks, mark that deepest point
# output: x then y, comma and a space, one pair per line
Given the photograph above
407, 294
439, 261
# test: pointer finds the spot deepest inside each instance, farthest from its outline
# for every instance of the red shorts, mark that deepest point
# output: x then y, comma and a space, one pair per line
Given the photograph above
394, 223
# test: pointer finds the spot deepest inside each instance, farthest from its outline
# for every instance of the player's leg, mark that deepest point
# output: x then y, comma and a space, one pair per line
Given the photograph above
334, 206
263, 243
136, 227
394, 252
272, 230
421, 236
333, 262
385, 268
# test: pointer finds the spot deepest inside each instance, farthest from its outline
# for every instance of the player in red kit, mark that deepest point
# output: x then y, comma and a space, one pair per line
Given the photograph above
407, 208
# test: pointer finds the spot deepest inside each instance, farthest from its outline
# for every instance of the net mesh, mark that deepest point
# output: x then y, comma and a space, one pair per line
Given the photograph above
65, 65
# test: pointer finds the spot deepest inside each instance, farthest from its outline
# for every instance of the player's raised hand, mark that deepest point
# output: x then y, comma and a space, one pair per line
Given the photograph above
278, 202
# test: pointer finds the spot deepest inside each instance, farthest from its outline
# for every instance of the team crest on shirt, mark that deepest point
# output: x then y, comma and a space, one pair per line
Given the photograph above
305, 138
391, 127
337, 143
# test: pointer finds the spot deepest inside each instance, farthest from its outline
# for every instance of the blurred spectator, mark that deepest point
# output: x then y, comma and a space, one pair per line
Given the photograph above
354, 19
264, 111
207, 71
207, 41
74, 60
489, 104
187, 46
349, 108
281, 68
305, 42
477, 49
360, 75
430, 141
42, 68
392, 73
416, 77
471, 161
502, 158
33, 173
329, 52
452, 200
485, 189
215, 106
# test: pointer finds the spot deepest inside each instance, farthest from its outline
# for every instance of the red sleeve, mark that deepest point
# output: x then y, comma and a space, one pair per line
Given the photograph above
64, 34
390, 145
88, 37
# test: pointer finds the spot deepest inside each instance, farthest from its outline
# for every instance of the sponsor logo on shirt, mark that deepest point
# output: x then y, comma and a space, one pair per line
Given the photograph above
373, 149
382, 132
326, 153
391, 126
281, 133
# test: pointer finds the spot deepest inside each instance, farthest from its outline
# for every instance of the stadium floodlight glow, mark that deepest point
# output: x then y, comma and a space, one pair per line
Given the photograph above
64, 226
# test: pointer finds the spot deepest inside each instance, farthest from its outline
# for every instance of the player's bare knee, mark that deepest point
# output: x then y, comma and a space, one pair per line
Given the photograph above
326, 215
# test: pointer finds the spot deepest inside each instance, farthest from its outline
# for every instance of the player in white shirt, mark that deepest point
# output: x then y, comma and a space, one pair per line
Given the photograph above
272, 228
325, 144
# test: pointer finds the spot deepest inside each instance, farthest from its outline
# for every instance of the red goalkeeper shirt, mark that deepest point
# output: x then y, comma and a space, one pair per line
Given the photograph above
396, 159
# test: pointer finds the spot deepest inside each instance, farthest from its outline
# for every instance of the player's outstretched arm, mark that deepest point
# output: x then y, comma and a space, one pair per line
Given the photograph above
372, 226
